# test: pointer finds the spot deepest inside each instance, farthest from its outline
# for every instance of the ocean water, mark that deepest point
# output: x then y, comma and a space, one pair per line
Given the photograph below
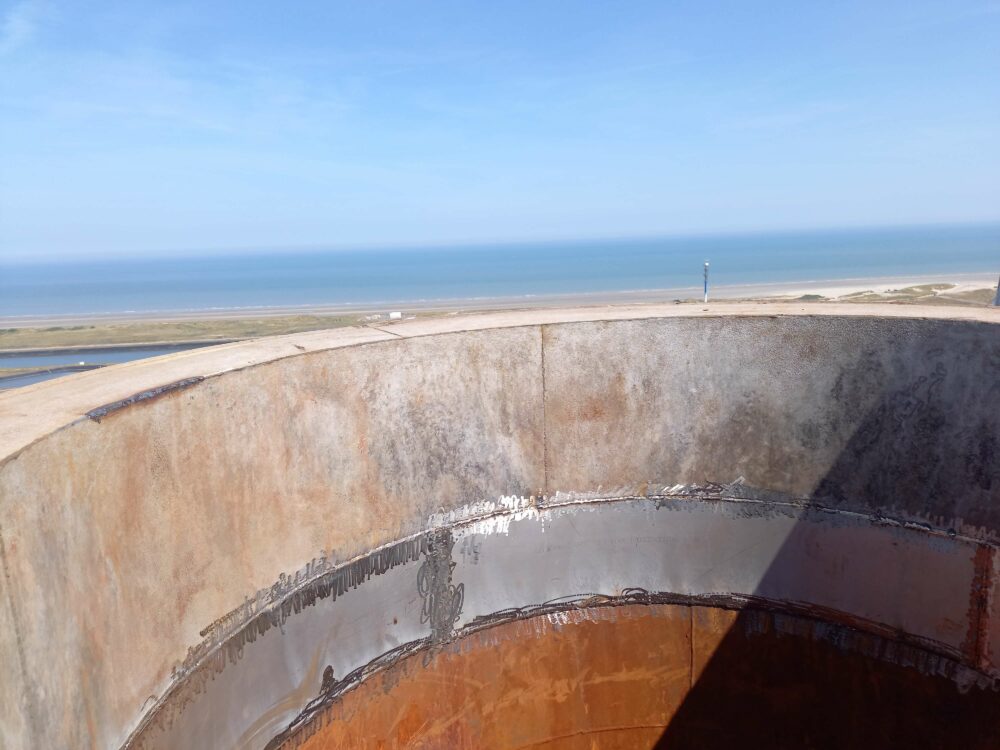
91, 356
376, 276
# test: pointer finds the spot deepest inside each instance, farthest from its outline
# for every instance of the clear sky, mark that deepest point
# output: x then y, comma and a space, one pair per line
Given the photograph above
135, 127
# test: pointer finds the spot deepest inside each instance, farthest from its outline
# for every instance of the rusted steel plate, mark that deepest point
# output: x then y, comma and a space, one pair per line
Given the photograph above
613, 676
778, 681
663, 676
511, 559
990, 608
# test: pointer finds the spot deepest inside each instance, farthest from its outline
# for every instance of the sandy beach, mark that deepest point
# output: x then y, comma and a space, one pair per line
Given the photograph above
953, 288
35, 348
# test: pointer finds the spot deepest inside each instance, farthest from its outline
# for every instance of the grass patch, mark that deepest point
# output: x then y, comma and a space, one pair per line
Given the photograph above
141, 332
924, 294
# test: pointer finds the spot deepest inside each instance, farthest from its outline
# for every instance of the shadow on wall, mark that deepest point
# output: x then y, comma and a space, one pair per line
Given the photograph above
768, 689
928, 449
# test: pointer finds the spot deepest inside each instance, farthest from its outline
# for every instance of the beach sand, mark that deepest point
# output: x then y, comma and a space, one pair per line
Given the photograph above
45, 332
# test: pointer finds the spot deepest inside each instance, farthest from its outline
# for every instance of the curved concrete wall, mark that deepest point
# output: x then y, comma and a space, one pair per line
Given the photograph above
151, 512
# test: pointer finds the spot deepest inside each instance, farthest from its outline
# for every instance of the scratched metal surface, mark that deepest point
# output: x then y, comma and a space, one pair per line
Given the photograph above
843, 566
265, 684
840, 562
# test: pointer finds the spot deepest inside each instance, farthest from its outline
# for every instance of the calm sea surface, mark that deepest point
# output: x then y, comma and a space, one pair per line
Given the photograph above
408, 275
89, 356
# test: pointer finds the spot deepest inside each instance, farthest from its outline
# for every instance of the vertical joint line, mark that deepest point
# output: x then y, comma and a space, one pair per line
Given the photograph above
976, 642
19, 641
691, 647
545, 436
985, 575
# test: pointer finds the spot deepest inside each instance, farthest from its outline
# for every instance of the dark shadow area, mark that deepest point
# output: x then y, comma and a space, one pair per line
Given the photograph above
925, 448
766, 689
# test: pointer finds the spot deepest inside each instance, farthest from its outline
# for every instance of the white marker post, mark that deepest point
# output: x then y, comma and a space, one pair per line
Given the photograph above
706, 282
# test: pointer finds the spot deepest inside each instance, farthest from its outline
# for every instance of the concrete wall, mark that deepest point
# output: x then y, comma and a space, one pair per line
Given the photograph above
127, 533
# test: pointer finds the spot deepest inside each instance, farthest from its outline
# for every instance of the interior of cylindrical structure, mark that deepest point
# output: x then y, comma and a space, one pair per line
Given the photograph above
625, 528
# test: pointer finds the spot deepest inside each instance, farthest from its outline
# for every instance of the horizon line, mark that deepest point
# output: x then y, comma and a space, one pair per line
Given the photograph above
29, 258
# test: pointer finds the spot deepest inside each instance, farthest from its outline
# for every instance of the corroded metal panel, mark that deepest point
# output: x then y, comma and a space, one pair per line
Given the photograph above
778, 681
611, 677
621, 677
478, 567
989, 605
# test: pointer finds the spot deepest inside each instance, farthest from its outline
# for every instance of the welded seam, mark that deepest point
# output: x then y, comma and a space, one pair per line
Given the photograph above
583, 732
312, 718
986, 610
280, 600
691, 646
391, 333
19, 641
914, 654
717, 493
732, 602
232, 622
14, 454
102, 411
977, 638
270, 607
442, 599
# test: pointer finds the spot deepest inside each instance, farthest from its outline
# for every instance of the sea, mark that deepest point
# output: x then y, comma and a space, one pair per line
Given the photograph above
372, 277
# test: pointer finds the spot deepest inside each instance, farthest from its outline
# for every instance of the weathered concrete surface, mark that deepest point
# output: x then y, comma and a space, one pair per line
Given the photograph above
126, 538
889, 414
148, 526
14, 708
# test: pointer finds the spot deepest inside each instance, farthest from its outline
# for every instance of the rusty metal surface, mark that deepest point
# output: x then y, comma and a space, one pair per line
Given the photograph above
480, 566
663, 676
610, 675
130, 541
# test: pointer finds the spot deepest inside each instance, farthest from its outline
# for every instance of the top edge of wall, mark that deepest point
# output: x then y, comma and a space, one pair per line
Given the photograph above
31, 413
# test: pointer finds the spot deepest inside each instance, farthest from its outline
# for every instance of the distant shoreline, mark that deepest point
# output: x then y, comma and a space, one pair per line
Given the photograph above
828, 288
41, 349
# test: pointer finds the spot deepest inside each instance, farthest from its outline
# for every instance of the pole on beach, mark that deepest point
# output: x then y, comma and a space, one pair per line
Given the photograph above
996, 300
706, 282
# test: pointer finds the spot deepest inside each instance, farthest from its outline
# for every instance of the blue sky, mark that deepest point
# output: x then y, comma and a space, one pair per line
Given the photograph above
135, 127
